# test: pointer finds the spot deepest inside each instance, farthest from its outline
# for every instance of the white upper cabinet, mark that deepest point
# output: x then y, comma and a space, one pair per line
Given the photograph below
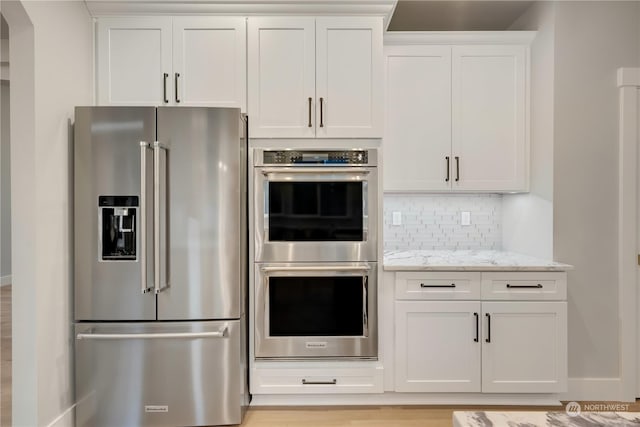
315, 78
134, 60
348, 77
417, 136
281, 77
209, 61
193, 61
457, 115
489, 118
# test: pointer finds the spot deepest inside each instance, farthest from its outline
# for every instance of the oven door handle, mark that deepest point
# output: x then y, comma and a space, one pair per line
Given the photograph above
315, 170
318, 268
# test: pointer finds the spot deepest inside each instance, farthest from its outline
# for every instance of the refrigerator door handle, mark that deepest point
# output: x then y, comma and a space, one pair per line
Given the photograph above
222, 333
144, 146
159, 174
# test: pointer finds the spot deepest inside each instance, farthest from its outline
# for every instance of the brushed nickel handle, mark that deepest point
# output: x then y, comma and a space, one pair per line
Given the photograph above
310, 100
457, 168
144, 146
181, 335
157, 150
176, 87
447, 160
318, 268
332, 382
164, 88
321, 112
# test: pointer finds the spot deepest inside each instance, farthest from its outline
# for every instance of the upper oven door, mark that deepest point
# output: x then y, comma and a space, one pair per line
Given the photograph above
311, 214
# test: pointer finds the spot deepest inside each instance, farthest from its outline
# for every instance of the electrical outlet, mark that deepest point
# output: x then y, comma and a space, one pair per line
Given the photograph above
397, 218
465, 218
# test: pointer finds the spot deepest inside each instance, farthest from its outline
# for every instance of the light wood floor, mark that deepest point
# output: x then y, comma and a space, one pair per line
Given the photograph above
369, 416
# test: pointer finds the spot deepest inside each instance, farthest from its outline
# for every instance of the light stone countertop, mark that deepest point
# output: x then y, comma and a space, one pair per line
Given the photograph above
467, 260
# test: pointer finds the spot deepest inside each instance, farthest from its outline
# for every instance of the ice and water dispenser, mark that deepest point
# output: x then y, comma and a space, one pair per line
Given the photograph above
118, 227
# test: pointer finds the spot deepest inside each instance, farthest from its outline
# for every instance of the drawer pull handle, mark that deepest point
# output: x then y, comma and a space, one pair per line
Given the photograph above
422, 285
538, 286
477, 327
488, 339
332, 382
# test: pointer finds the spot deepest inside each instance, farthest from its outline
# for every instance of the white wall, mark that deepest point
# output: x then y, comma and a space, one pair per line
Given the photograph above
592, 39
528, 218
51, 62
5, 185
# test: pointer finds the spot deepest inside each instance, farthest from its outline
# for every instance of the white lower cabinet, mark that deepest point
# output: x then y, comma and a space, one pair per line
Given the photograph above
437, 346
307, 379
483, 346
525, 347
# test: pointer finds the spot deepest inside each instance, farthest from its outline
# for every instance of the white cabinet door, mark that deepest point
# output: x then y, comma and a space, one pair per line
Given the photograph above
209, 61
281, 77
437, 346
134, 61
417, 135
349, 77
489, 118
524, 348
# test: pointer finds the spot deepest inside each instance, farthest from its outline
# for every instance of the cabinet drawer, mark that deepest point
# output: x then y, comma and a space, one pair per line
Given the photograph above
438, 286
316, 381
532, 286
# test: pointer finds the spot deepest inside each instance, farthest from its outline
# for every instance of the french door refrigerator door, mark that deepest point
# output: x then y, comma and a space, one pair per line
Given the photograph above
112, 222
202, 179
157, 374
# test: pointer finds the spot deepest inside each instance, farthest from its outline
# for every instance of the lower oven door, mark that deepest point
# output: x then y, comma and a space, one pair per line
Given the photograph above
306, 311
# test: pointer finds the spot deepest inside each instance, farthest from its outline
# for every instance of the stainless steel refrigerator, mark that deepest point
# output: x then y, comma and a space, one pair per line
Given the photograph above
160, 260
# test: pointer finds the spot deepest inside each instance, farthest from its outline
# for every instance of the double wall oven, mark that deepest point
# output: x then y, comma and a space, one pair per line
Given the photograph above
315, 236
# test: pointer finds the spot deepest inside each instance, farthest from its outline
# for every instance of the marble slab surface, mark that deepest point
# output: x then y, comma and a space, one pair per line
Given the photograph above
545, 419
467, 260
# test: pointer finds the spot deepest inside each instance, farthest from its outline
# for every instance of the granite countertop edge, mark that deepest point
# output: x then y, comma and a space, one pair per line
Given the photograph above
467, 260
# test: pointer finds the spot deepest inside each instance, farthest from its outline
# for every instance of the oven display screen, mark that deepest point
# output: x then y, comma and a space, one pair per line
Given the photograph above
315, 157
316, 306
315, 211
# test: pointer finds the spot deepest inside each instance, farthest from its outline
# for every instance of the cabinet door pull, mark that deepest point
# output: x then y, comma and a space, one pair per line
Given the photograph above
488, 327
176, 77
538, 286
446, 159
321, 118
310, 100
332, 382
457, 168
475, 315
422, 285
164, 88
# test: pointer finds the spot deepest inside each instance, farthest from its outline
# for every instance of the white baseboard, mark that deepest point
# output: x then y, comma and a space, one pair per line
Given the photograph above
391, 398
593, 389
66, 419
5, 280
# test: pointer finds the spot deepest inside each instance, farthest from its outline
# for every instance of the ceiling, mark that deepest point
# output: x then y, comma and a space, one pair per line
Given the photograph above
425, 15
474, 15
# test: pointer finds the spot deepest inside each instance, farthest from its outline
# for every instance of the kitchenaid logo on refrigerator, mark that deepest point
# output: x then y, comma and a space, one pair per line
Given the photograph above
156, 408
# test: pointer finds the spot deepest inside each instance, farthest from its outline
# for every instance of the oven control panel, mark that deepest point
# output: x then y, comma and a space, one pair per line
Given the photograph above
295, 157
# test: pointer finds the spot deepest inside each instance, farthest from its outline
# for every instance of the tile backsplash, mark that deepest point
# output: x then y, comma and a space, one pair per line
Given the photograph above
433, 221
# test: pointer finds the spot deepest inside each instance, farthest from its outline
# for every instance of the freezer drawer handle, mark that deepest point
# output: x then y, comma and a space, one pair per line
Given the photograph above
224, 332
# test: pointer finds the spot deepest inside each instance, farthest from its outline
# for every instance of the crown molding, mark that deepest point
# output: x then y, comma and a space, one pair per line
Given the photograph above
457, 37
383, 8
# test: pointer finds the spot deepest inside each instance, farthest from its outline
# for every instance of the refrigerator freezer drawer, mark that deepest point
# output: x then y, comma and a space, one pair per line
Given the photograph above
159, 374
